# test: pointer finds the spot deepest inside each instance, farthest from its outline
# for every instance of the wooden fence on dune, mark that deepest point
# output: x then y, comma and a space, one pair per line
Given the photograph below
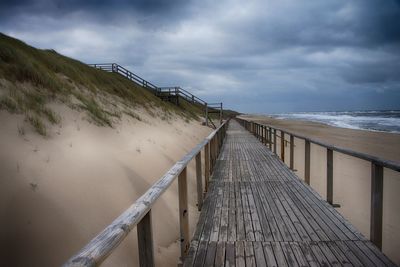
171, 94
139, 214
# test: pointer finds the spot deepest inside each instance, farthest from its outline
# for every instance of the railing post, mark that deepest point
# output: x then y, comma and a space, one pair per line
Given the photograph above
214, 150
257, 128
177, 95
291, 152
206, 114
145, 241
283, 146
199, 179
270, 138
329, 176
207, 166
211, 154
183, 214
264, 135
275, 141
376, 204
307, 162
221, 114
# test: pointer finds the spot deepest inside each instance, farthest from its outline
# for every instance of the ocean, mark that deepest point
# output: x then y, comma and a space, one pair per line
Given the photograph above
373, 120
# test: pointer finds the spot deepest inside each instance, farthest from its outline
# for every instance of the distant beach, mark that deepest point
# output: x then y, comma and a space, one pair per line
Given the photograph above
371, 120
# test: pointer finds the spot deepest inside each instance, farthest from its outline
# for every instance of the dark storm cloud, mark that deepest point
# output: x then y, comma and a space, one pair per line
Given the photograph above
49, 6
256, 55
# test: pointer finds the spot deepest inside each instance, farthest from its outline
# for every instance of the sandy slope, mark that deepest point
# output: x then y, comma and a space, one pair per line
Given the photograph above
352, 183
57, 193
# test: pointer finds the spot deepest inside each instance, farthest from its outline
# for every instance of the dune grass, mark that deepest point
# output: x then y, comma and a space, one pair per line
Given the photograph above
38, 77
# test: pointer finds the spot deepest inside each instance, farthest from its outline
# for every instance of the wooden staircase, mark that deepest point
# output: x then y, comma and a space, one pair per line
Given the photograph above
171, 94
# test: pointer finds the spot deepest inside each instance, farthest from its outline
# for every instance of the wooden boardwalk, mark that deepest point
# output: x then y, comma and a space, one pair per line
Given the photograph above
259, 213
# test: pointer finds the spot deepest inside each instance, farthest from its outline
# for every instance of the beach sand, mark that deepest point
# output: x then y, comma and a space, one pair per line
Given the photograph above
58, 192
352, 182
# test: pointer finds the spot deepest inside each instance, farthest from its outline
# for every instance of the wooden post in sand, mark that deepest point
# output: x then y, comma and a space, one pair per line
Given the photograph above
265, 135
256, 133
177, 96
215, 152
220, 114
291, 165
183, 213
376, 204
211, 154
329, 176
270, 138
145, 241
283, 146
307, 162
206, 165
199, 179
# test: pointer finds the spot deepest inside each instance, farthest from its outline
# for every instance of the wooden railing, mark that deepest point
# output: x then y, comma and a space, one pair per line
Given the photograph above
176, 91
139, 214
113, 67
268, 135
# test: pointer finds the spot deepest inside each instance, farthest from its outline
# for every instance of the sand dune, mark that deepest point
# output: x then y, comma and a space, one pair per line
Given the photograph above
56, 193
352, 183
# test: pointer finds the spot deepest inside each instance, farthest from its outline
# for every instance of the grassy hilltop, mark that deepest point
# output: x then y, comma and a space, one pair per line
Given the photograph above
31, 79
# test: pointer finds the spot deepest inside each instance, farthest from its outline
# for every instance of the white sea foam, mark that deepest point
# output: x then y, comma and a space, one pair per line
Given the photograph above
387, 121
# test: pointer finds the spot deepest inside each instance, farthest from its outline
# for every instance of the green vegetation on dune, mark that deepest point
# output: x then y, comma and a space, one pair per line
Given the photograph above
36, 77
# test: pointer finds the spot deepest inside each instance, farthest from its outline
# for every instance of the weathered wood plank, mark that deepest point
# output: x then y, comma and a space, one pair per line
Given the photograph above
183, 213
269, 254
145, 241
230, 256
250, 258
210, 256
199, 180
376, 204
220, 254
201, 254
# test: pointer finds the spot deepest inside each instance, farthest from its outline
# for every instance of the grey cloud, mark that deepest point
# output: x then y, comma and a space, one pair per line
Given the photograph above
257, 56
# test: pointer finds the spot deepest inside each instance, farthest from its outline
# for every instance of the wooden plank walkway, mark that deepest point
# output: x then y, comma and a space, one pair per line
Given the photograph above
259, 213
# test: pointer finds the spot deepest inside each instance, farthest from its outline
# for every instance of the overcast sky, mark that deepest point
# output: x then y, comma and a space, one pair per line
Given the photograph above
259, 56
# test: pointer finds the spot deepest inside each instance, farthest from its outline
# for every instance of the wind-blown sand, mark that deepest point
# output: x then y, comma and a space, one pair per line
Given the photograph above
352, 183
57, 193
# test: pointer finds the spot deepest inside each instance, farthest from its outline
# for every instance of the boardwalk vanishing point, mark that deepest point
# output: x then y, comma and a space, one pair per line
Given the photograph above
257, 212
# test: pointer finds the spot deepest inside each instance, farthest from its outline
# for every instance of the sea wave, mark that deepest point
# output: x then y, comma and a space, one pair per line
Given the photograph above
372, 120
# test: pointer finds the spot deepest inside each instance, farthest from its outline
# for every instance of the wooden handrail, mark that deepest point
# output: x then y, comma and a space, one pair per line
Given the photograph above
377, 165
138, 214
175, 91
